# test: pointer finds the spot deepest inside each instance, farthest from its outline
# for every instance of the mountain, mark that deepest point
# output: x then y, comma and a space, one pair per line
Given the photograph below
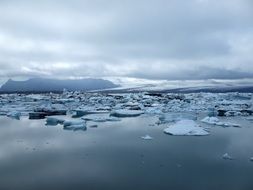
54, 85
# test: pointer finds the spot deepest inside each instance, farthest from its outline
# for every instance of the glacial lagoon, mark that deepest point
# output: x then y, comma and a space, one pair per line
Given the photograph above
114, 154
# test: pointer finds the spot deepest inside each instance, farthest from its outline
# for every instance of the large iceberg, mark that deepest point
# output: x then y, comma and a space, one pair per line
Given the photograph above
186, 127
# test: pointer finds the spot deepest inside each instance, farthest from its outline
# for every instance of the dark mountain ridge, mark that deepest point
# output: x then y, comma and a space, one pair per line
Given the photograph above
54, 85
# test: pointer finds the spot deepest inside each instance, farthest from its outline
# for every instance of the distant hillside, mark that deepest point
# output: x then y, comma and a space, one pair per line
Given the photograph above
53, 85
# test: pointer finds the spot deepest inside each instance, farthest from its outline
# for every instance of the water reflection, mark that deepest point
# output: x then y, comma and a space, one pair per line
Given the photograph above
113, 156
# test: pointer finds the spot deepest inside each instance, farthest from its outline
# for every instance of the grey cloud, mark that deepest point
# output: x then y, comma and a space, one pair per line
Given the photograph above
195, 39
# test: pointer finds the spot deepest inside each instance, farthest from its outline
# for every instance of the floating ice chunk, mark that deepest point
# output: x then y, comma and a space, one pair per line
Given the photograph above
14, 115
210, 120
147, 137
226, 156
251, 159
228, 124
82, 112
100, 118
126, 113
54, 121
216, 121
186, 127
75, 125
174, 117
69, 123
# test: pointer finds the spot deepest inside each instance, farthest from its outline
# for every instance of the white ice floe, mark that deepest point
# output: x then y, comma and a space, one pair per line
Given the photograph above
54, 121
126, 113
14, 115
147, 137
226, 156
216, 121
186, 127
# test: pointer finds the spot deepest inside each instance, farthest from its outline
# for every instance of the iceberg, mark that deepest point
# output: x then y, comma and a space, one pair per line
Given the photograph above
186, 128
126, 113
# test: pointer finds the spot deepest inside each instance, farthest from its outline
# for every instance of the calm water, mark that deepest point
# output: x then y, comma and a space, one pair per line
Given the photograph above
113, 156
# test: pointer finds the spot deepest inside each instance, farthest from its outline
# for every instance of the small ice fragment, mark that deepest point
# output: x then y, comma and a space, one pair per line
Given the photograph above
226, 156
147, 137
186, 127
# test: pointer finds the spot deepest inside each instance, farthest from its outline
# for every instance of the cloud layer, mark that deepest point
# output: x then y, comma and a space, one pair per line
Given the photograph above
156, 39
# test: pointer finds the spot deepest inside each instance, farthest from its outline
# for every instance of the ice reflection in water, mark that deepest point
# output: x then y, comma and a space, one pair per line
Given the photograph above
113, 156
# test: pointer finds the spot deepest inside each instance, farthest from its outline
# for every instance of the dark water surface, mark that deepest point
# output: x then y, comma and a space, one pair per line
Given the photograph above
113, 156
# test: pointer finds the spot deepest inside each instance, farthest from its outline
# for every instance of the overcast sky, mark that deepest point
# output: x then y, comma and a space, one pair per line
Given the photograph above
151, 39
